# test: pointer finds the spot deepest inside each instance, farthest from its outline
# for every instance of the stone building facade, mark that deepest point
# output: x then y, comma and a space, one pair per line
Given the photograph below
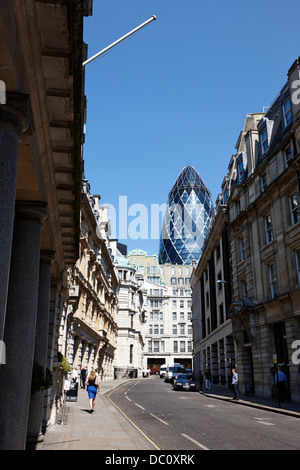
91, 322
41, 137
264, 229
259, 205
213, 338
131, 319
168, 331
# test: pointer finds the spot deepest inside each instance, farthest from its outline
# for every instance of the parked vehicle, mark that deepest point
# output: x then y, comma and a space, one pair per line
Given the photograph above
162, 372
172, 371
190, 373
184, 382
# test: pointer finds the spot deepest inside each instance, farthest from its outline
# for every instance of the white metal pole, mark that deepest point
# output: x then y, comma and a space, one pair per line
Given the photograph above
118, 41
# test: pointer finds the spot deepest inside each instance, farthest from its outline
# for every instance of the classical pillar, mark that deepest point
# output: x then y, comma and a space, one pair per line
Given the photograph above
20, 324
34, 429
13, 123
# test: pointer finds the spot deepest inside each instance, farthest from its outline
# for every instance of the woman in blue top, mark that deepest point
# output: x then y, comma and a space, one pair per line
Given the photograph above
93, 387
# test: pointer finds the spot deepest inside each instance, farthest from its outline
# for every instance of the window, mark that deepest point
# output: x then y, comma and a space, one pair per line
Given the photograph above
155, 329
182, 346
263, 137
189, 346
156, 346
174, 303
175, 346
263, 182
294, 208
131, 354
240, 249
287, 112
298, 266
181, 315
240, 170
181, 330
273, 280
268, 229
173, 281
174, 329
174, 316
288, 155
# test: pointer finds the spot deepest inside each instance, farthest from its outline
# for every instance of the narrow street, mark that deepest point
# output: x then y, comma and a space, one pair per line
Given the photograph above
191, 421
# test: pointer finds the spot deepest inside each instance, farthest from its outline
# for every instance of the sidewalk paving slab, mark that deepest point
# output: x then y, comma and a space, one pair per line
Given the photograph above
105, 429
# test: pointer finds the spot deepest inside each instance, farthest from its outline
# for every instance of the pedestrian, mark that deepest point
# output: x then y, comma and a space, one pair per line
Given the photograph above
281, 382
201, 380
207, 379
93, 387
74, 374
83, 376
235, 383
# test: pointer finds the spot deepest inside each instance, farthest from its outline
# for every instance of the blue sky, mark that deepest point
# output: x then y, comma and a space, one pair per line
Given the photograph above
177, 92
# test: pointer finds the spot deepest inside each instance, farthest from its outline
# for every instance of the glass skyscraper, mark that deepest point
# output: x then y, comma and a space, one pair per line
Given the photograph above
186, 221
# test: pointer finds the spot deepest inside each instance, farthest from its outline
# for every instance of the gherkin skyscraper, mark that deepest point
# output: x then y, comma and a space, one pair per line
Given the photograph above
186, 221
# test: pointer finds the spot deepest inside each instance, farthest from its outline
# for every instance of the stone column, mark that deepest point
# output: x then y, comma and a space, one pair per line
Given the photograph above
20, 324
13, 122
34, 430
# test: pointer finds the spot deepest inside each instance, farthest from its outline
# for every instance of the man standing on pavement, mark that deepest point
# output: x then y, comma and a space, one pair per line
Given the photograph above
281, 382
234, 383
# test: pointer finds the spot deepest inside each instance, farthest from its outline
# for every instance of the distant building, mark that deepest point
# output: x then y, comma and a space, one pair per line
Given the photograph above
185, 224
168, 330
131, 320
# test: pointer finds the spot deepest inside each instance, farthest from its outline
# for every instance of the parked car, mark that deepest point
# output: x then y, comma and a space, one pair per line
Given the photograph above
190, 373
162, 372
172, 371
184, 382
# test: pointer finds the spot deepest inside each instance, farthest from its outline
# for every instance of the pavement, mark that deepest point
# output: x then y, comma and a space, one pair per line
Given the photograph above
109, 429
105, 429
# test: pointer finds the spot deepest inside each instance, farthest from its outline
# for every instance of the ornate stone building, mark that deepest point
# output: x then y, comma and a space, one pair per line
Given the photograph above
41, 137
131, 319
259, 210
264, 230
91, 323
213, 338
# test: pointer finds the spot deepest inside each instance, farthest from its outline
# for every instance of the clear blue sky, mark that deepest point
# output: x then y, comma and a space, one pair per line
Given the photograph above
177, 92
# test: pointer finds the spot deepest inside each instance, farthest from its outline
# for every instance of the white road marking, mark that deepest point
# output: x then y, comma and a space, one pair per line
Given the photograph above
195, 442
159, 419
260, 421
128, 398
140, 406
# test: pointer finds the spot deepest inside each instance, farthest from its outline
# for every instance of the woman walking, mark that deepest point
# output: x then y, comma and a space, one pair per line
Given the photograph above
93, 387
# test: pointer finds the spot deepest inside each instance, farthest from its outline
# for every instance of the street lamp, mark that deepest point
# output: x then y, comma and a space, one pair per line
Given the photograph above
153, 17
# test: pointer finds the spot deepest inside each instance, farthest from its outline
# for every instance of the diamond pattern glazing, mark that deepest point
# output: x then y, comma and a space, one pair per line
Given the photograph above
186, 220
